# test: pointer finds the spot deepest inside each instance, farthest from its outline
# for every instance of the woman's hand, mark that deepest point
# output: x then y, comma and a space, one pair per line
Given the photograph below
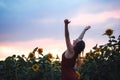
66, 21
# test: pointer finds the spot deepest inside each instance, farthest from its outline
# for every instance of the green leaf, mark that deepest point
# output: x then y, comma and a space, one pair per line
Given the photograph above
112, 37
114, 40
95, 47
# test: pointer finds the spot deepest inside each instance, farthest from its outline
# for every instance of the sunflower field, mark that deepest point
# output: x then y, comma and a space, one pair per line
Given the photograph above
102, 62
45, 67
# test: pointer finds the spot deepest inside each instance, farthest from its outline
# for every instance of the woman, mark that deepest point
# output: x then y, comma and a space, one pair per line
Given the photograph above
70, 55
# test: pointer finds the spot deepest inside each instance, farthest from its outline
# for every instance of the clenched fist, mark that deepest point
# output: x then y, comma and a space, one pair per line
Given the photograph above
66, 21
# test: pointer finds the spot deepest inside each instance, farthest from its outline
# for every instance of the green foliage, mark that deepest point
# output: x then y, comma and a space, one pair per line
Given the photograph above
21, 68
103, 62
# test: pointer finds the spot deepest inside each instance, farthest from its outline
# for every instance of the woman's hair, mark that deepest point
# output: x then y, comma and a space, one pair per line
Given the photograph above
79, 47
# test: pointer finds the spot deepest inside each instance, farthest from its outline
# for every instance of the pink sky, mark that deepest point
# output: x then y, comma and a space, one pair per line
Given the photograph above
49, 45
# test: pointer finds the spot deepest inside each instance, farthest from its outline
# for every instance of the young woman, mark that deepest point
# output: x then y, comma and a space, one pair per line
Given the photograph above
70, 55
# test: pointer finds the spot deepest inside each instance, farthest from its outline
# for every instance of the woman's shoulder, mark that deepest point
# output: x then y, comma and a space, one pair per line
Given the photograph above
68, 54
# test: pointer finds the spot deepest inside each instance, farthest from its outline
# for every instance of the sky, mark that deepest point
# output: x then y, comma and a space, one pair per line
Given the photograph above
27, 24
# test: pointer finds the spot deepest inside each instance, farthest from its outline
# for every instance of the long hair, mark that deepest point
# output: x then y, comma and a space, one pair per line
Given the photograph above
79, 47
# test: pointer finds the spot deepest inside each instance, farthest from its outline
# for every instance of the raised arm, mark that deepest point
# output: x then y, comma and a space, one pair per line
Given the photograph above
67, 37
83, 32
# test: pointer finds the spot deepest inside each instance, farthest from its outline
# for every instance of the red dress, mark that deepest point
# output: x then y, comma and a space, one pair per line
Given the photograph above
68, 72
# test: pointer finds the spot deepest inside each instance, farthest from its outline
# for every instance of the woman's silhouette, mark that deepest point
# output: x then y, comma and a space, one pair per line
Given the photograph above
70, 55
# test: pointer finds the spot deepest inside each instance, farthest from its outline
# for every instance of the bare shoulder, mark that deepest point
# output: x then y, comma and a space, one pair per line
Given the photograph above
68, 54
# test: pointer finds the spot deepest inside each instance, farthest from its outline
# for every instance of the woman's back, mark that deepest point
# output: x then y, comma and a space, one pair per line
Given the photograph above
68, 72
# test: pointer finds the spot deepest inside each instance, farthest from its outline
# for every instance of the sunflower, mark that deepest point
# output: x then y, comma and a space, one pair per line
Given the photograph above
97, 49
49, 55
35, 67
40, 50
14, 56
31, 55
91, 53
108, 32
23, 55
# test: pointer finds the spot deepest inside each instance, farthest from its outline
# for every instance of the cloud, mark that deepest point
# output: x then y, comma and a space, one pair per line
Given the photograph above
89, 19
